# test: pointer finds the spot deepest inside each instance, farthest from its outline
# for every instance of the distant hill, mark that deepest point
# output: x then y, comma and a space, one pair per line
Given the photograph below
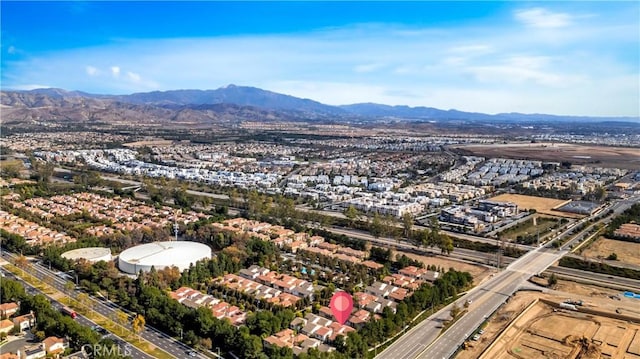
378, 110
241, 101
62, 106
239, 95
430, 113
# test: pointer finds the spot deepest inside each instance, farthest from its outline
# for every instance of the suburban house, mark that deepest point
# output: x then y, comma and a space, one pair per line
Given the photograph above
32, 352
25, 321
6, 325
55, 346
8, 309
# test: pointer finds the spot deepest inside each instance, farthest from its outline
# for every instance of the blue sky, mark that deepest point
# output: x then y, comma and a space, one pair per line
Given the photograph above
579, 58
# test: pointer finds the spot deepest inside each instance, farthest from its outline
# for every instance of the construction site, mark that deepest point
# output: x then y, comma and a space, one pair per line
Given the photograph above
550, 325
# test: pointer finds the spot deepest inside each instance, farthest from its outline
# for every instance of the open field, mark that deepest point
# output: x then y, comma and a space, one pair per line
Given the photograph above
540, 204
627, 252
528, 232
601, 156
158, 142
532, 329
478, 272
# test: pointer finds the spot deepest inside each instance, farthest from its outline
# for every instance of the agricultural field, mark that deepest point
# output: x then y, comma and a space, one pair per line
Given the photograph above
542, 205
626, 252
601, 156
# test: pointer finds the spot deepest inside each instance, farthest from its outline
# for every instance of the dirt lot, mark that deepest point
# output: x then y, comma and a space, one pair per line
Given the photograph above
478, 272
542, 333
158, 142
540, 204
627, 252
601, 156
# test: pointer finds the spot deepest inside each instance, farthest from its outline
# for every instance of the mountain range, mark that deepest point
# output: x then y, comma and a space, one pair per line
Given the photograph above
230, 103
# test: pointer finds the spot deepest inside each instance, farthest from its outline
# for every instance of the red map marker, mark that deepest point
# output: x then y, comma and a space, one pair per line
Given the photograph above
341, 306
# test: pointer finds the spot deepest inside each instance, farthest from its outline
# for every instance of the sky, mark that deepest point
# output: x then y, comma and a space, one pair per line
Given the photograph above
566, 58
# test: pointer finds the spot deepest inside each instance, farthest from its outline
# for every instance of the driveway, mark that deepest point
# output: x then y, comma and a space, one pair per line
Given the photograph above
14, 345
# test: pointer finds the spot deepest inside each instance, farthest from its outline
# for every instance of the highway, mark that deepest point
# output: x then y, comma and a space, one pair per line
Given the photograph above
596, 278
134, 352
150, 334
458, 253
485, 299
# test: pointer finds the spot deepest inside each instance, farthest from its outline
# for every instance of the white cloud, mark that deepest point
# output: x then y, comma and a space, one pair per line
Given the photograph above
29, 87
333, 93
91, 71
134, 77
496, 68
543, 18
115, 71
471, 49
367, 68
526, 70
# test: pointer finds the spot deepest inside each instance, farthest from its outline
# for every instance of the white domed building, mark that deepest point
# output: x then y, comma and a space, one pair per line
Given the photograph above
159, 255
91, 254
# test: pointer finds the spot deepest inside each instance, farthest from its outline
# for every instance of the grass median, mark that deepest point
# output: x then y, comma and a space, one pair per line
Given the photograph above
99, 319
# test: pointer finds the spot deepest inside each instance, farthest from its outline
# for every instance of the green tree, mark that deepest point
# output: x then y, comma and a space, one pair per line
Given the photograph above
407, 223
11, 291
42, 171
11, 169
445, 244
455, 310
376, 228
351, 213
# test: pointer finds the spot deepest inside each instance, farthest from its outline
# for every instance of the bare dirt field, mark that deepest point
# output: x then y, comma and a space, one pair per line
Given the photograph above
540, 204
627, 252
601, 156
478, 272
158, 142
542, 332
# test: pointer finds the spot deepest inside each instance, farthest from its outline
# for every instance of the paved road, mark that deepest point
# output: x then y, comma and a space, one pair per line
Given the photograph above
458, 253
485, 299
137, 183
17, 344
134, 352
150, 334
469, 237
597, 278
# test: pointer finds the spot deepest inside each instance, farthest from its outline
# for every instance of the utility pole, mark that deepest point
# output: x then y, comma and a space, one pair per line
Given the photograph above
500, 249
535, 224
